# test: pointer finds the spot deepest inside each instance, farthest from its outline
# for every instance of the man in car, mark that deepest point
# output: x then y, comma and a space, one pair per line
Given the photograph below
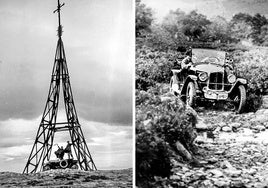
68, 150
186, 63
60, 153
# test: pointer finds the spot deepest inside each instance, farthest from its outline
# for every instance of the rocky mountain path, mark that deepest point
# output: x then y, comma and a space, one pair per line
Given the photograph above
233, 151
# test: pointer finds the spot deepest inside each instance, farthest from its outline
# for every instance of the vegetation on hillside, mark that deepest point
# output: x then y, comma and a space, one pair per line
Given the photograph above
165, 130
178, 27
161, 124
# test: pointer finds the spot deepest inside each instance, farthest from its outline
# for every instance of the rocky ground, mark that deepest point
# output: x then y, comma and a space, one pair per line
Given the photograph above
233, 152
68, 178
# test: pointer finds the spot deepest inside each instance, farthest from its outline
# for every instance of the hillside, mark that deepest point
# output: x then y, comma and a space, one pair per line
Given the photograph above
68, 178
232, 150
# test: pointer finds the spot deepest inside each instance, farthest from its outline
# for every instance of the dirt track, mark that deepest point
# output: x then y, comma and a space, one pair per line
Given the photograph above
233, 151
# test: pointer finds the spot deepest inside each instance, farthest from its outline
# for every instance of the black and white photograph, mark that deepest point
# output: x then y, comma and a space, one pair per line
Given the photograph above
66, 93
201, 93
134, 93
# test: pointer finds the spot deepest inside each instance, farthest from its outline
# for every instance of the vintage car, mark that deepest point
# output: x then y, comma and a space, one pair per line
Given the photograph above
209, 77
60, 163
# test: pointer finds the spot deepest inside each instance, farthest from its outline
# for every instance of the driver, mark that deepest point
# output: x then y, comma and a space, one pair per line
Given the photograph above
187, 61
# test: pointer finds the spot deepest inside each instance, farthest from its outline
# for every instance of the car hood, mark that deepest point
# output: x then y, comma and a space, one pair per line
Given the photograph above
209, 68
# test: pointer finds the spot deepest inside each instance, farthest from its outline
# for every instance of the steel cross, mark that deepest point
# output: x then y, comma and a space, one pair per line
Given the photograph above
58, 10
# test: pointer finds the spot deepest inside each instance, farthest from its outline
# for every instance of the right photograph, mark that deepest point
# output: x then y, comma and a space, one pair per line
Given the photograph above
201, 91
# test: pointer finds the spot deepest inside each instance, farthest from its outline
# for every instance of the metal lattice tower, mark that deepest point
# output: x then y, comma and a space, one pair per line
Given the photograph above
41, 150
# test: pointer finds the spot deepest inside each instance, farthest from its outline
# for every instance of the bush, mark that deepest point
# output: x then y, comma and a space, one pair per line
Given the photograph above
153, 67
152, 155
159, 125
252, 65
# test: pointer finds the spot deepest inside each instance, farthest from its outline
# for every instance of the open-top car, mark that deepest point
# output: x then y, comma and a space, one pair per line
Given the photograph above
61, 164
209, 76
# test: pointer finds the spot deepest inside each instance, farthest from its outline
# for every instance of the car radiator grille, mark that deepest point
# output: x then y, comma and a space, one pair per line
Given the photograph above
216, 81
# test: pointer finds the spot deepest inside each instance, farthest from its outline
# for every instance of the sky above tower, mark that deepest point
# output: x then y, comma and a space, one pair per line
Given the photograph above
99, 46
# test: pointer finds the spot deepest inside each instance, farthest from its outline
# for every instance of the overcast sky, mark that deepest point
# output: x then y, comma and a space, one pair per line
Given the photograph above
99, 47
210, 8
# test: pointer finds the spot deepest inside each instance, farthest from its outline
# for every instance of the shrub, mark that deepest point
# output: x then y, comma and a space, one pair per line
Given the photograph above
252, 65
159, 125
154, 66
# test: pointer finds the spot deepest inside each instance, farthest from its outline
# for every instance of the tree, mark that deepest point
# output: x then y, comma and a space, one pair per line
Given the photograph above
194, 25
245, 26
241, 30
173, 24
160, 39
258, 21
264, 35
219, 29
242, 17
144, 18
241, 26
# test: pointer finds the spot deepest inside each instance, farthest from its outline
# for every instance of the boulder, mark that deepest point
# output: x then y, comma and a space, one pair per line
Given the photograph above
233, 172
216, 173
259, 127
265, 102
201, 125
235, 125
226, 129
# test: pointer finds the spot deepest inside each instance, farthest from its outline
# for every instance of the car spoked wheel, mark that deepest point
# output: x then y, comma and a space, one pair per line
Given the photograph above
172, 85
64, 164
75, 166
190, 94
46, 167
240, 99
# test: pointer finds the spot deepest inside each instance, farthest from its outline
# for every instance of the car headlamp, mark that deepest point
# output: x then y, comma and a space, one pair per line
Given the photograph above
231, 78
203, 76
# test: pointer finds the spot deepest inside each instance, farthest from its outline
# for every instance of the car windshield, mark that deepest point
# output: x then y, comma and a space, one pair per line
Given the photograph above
208, 56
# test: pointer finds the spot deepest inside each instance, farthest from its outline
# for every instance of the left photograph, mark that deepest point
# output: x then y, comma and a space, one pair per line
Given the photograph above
66, 73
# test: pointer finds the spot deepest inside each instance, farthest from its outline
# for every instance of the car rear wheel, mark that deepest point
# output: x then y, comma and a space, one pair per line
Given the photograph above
172, 85
190, 94
75, 166
46, 167
240, 99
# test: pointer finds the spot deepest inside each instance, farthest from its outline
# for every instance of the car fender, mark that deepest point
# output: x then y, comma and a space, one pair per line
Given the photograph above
190, 78
239, 81
174, 79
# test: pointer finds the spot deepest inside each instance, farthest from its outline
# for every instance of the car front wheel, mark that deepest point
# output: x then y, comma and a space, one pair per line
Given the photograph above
64, 164
190, 94
240, 99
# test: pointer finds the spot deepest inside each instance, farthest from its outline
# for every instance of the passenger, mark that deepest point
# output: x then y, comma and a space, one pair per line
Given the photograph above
60, 153
68, 149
